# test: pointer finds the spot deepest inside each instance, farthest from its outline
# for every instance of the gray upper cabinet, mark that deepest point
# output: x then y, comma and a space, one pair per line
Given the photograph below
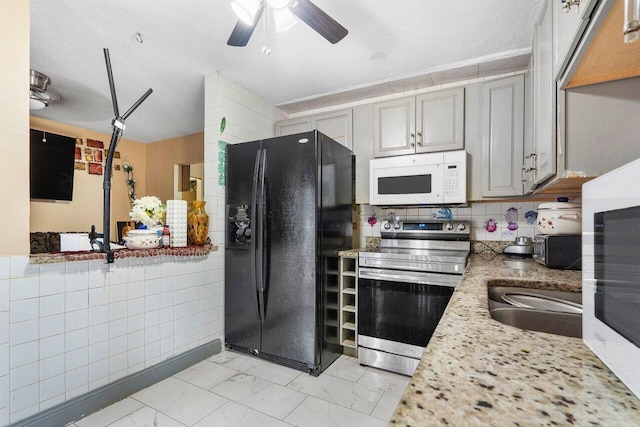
502, 137
293, 126
363, 148
568, 26
528, 167
440, 121
544, 98
427, 123
337, 124
394, 127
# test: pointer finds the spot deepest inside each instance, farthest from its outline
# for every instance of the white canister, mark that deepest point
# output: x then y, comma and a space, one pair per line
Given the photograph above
559, 218
142, 239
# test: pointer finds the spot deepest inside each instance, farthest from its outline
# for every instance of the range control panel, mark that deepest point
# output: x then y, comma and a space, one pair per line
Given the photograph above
424, 229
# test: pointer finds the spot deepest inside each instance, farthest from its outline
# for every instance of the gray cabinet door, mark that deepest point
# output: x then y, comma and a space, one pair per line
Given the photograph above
337, 125
293, 126
502, 136
395, 124
440, 121
363, 148
568, 27
544, 113
528, 165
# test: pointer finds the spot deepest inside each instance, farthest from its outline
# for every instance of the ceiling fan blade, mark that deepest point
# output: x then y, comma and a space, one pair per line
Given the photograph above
317, 19
242, 32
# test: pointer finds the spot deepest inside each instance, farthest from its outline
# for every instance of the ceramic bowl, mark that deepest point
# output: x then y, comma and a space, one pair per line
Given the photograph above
559, 218
142, 239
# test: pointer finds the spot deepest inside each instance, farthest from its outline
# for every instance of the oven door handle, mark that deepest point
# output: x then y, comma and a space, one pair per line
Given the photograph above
450, 280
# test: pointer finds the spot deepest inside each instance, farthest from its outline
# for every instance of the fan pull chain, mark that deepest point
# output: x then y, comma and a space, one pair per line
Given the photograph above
266, 49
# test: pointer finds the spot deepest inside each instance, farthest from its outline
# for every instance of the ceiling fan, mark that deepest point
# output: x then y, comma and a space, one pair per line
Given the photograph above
39, 97
250, 12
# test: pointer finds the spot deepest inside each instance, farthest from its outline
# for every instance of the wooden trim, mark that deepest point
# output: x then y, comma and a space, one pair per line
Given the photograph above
184, 178
608, 58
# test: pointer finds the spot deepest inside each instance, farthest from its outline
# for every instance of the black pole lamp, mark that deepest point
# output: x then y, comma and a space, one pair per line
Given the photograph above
118, 129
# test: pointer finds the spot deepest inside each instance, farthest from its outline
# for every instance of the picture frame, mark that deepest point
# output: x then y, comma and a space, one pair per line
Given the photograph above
94, 144
95, 168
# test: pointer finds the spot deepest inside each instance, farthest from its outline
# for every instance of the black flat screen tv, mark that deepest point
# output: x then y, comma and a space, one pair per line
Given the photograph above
51, 165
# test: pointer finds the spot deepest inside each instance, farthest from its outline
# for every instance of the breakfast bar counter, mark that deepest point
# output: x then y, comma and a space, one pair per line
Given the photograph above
55, 257
478, 371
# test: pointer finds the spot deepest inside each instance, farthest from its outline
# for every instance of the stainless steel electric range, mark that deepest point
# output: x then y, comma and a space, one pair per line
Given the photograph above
404, 289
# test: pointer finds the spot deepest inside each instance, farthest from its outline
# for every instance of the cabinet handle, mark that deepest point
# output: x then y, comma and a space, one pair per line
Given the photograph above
531, 155
419, 139
530, 169
413, 140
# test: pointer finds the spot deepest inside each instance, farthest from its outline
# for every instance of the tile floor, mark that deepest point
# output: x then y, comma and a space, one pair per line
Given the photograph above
231, 389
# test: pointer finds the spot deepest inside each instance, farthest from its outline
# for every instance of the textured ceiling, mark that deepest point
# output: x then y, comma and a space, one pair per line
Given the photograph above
389, 41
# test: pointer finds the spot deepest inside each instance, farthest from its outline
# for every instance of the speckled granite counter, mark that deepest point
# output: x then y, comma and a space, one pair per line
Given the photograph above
51, 258
352, 253
478, 371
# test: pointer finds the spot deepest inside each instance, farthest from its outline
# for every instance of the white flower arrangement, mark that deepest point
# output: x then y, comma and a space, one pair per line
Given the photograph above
148, 210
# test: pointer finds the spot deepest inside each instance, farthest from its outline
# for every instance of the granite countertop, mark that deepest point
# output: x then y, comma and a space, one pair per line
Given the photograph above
51, 258
353, 253
478, 371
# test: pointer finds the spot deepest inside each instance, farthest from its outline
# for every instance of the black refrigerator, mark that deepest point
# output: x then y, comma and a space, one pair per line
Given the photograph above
288, 213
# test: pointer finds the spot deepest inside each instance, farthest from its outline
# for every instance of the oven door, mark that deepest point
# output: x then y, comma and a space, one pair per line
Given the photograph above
402, 307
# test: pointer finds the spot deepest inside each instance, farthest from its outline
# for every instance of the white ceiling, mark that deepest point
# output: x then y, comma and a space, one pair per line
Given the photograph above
392, 45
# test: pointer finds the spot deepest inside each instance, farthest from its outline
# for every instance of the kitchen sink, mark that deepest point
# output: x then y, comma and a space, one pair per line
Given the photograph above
542, 310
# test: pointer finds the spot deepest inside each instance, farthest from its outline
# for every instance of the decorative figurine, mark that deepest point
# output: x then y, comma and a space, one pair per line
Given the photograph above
491, 225
512, 218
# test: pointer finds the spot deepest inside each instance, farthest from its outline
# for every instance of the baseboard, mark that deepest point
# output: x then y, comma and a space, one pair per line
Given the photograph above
88, 403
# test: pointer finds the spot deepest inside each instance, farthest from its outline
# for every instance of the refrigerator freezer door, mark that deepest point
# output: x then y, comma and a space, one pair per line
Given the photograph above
242, 321
290, 328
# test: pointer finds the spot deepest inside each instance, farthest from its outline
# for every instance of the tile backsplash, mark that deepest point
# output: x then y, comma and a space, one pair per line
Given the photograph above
489, 221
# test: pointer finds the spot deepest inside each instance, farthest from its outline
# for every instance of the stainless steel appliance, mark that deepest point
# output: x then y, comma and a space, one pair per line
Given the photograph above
404, 289
420, 179
611, 271
522, 248
558, 251
288, 203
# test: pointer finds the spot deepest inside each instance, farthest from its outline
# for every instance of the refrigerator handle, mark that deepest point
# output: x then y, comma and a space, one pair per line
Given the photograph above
255, 229
262, 233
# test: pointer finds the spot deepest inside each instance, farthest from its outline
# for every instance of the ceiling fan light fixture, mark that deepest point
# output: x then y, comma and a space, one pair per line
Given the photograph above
278, 4
284, 19
36, 104
246, 10
39, 96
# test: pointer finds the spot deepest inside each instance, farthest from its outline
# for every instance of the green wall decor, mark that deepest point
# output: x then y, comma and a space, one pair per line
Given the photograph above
222, 163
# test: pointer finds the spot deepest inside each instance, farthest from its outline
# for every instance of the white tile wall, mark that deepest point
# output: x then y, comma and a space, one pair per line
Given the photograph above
477, 213
69, 328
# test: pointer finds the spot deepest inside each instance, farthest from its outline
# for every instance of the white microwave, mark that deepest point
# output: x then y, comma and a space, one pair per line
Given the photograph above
420, 179
611, 271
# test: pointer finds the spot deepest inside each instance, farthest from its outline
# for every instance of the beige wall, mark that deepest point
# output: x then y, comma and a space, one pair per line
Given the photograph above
86, 208
14, 127
163, 155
